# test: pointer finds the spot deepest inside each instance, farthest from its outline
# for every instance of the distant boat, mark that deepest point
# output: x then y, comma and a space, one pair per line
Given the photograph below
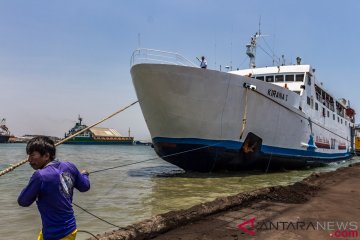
4, 132
256, 118
96, 136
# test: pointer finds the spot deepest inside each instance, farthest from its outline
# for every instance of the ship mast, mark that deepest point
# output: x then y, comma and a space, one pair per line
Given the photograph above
80, 120
251, 49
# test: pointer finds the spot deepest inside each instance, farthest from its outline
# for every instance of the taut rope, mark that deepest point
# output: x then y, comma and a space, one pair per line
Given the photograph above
9, 169
245, 113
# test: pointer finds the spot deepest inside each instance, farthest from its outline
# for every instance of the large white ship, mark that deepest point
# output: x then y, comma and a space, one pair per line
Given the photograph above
256, 118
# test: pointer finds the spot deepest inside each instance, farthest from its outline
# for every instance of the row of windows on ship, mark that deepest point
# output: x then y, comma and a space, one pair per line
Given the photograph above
323, 97
281, 78
328, 101
326, 113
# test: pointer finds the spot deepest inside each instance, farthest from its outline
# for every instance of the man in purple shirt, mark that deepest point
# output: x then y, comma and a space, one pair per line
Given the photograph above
52, 186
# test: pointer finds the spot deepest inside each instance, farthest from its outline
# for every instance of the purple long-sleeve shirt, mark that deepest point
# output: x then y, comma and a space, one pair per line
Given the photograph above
52, 188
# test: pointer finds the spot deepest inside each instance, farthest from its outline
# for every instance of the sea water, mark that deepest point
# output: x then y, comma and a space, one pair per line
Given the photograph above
124, 194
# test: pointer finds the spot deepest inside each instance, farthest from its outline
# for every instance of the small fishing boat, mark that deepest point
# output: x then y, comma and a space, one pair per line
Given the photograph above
96, 135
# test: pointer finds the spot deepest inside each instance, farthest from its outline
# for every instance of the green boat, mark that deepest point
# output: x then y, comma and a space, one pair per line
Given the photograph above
96, 135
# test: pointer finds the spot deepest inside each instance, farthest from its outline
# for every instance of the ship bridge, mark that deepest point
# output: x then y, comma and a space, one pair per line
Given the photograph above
289, 76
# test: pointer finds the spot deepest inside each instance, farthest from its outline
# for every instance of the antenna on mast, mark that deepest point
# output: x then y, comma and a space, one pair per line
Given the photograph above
251, 48
139, 40
259, 26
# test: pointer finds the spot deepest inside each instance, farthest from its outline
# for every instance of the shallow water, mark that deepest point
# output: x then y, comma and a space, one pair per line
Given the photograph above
124, 195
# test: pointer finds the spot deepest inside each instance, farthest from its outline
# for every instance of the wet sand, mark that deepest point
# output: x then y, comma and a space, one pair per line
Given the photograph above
322, 206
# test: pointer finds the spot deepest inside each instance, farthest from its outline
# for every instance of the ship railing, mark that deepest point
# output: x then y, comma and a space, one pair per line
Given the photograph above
145, 55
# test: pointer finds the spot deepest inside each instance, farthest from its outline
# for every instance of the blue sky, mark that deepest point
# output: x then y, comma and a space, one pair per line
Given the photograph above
62, 58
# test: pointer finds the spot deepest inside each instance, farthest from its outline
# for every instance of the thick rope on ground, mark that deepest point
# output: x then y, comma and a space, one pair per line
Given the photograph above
167, 221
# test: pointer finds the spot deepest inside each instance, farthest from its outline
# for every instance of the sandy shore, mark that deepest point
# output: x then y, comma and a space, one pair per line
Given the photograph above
322, 206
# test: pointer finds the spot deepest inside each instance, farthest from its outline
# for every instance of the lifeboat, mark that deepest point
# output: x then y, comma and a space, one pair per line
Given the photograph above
350, 112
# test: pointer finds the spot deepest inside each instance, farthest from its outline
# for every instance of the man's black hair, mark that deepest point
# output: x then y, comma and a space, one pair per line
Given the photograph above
42, 145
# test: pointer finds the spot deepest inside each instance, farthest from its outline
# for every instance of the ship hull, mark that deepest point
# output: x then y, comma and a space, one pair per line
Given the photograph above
205, 120
4, 138
203, 156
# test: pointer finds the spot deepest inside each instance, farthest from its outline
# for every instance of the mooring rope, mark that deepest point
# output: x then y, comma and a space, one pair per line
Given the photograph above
125, 165
258, 209
267, 169
245, 113
9, 169
151, 159
110, 168
93, 235
114, 225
